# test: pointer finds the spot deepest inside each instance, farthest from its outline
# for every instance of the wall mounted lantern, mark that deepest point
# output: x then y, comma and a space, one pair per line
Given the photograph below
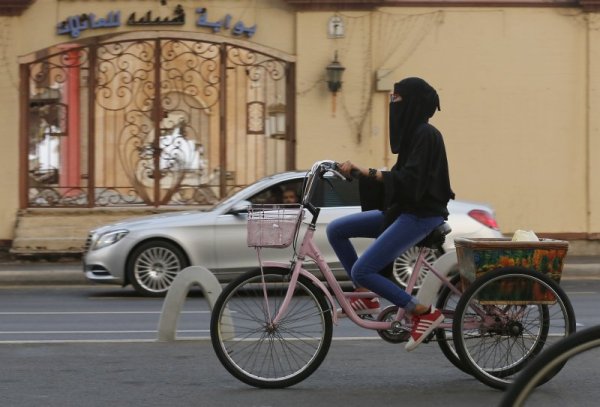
334, 74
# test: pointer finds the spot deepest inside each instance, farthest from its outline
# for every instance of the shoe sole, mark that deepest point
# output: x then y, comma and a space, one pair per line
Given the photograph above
412, 344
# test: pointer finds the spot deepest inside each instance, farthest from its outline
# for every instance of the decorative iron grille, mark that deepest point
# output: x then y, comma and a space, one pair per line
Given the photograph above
149, 122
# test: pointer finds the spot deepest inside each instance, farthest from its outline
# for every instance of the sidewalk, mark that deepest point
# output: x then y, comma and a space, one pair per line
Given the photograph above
71, 272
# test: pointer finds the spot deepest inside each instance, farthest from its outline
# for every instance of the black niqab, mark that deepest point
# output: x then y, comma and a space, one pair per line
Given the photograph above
419, 102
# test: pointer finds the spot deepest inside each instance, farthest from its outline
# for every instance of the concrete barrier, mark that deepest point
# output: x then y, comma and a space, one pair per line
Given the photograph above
177, 294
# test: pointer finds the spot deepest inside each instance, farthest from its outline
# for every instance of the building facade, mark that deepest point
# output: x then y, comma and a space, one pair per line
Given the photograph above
113, 108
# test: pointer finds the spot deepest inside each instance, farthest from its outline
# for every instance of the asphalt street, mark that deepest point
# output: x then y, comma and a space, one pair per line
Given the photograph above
187, 373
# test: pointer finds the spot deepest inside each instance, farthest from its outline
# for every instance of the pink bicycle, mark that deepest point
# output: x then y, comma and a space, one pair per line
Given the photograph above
272, 327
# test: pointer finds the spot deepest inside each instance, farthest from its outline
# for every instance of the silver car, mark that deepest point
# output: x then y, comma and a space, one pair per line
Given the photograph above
148, 252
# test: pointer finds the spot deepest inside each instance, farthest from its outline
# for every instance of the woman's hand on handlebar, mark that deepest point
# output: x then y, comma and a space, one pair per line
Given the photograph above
350, 170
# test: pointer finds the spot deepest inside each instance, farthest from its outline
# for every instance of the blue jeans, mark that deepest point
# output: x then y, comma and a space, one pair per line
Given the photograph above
406, 231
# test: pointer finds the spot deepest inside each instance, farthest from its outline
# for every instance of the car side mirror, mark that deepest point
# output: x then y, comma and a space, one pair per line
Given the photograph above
240, 207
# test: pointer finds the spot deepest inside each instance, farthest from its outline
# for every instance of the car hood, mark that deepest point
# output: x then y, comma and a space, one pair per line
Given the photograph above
156, 221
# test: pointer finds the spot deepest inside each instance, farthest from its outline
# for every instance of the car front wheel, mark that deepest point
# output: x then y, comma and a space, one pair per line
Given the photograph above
153, 266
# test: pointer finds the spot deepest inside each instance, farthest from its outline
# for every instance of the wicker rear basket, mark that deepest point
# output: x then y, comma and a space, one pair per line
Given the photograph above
478, 256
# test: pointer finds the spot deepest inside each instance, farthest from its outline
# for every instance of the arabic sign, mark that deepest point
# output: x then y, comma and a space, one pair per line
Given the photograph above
146, 19
238, 29
74, 25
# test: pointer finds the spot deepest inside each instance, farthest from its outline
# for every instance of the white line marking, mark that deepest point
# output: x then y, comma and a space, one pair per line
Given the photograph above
191, 338
95, 312
93, 332
59, 341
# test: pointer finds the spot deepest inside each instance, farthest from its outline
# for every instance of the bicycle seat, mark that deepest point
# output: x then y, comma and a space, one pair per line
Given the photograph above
437, 237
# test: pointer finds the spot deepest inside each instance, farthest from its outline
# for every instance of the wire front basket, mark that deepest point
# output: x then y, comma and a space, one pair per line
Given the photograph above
273, 225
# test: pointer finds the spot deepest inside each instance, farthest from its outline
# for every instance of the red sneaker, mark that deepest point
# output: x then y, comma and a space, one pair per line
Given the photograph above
422, 326
363, 306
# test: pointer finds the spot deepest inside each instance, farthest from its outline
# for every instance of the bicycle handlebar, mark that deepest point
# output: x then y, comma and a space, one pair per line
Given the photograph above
319, 169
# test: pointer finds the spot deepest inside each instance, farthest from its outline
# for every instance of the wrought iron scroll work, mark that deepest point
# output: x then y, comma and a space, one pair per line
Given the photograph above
157, 111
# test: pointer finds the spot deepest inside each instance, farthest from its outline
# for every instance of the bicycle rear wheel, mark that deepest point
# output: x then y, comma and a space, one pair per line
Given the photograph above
547, 362
505, 318
263, 354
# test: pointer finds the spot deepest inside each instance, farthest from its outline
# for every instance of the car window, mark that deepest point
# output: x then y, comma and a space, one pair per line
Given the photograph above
284, 192
343, 193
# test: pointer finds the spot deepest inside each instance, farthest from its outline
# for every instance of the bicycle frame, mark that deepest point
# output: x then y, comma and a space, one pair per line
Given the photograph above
308, 248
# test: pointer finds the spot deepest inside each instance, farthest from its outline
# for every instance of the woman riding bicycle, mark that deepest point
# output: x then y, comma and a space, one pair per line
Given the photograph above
400, 207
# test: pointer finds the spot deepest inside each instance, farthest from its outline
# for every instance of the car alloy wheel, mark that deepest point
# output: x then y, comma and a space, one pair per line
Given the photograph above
404, 266
154, 265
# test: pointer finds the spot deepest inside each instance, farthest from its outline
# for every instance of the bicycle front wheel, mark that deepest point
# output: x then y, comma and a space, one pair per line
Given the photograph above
547, 362
257, 351
505, 318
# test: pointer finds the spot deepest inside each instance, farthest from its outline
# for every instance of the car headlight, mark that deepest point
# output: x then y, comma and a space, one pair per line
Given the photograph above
109, 238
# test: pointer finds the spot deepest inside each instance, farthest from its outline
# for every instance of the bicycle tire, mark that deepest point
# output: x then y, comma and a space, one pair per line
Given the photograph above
447, 302
512, 332
547, 362
268, 356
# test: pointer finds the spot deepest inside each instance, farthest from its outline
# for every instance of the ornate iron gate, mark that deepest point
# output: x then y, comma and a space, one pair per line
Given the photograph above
154, 121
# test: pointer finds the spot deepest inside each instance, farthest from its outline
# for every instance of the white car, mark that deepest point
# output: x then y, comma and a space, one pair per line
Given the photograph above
148, 252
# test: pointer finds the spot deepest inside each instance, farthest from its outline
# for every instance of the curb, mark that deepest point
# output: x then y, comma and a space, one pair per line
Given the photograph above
41, 273
13, 278
581, 271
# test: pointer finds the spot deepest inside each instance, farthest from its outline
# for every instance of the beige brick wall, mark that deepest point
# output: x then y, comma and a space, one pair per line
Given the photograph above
513, 85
